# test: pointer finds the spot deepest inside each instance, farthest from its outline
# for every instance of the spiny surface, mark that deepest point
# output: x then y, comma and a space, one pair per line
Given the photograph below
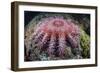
56, 36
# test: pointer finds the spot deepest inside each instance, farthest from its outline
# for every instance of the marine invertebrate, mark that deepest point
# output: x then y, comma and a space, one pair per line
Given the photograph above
55, 34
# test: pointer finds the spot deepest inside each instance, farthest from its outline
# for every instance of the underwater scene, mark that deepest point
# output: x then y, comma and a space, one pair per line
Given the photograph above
56, 36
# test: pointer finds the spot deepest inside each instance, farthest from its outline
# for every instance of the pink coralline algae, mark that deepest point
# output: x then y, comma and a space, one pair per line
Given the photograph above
57, 37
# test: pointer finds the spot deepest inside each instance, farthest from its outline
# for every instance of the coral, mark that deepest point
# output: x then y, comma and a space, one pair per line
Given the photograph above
54, 37
85, 43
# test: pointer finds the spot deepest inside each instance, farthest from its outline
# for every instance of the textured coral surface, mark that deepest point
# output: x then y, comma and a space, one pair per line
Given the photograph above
55, 37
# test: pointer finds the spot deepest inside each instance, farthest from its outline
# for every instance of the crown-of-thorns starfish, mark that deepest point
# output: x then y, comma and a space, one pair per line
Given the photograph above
55, 33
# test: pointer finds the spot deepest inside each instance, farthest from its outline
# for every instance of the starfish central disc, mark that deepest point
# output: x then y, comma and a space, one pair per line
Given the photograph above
58, 23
